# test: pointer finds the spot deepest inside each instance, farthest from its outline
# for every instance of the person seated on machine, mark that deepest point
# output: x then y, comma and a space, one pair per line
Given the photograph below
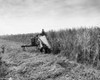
43, 33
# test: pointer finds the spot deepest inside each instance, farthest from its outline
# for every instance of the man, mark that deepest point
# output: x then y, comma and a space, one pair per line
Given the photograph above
43, 33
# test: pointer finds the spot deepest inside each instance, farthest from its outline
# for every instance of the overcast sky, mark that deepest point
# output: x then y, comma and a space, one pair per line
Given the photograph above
29, 16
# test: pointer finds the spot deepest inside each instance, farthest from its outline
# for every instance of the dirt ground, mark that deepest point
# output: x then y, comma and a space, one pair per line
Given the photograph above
32, 65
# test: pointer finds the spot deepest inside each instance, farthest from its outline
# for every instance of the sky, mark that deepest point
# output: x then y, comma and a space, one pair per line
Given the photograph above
30, 16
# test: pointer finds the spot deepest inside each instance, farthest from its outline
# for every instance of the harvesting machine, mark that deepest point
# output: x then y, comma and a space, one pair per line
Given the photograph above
41, 42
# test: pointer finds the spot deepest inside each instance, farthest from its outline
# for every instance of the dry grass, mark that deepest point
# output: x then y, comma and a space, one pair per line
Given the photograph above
39, 66
81, 45
74, 48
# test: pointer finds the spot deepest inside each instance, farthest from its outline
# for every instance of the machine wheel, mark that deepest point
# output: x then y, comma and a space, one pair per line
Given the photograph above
42, 50
45, 50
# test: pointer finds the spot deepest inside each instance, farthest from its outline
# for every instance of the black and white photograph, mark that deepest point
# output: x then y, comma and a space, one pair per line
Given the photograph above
49, 39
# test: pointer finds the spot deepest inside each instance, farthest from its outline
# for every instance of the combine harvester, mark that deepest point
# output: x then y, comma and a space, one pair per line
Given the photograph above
40, 42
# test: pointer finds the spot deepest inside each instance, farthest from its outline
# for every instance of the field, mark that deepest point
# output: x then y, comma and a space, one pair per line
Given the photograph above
75, 56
